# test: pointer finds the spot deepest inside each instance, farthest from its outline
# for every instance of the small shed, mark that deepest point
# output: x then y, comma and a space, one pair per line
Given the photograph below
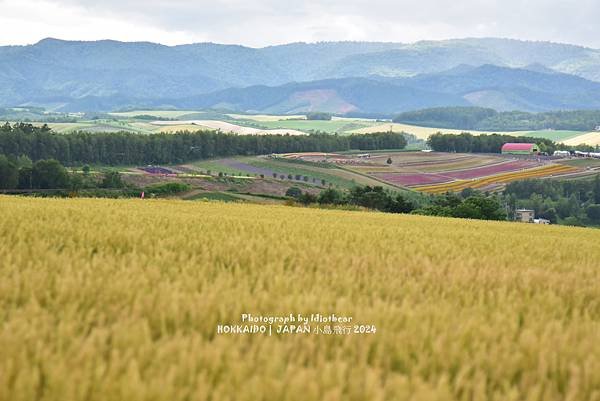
520, 149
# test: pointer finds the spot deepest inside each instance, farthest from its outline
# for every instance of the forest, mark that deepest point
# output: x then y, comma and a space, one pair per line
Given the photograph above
568, 202
483, 119
123, 148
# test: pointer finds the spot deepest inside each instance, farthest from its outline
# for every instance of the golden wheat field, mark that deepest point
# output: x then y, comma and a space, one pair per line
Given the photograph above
121, 300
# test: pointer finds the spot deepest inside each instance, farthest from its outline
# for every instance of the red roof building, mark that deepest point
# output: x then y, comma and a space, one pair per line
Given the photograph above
520, 148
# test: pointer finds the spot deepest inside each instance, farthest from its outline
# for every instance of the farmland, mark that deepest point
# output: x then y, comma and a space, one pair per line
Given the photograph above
441, 172
545, 171
283, 167
154, 121
121, 300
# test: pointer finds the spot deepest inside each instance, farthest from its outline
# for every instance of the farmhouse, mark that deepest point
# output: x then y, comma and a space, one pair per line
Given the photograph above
525, 215
520, 149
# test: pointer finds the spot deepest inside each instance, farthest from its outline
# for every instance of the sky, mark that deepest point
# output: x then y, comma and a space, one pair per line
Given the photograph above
260, 23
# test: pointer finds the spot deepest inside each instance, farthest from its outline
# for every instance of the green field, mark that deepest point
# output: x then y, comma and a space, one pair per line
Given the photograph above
556, 136
157, 113
333, 126
582, 163
126, 121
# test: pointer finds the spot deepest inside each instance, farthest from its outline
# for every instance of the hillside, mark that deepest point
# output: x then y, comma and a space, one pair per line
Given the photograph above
125, 297
106, 75
500, 88
476, 118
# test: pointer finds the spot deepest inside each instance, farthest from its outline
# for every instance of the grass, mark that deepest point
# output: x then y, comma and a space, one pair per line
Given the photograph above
286, 167
120, 300
582, 163
216, 196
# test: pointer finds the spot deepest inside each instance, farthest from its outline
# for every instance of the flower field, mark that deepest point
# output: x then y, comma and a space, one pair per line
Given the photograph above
121, 299
490, 170
455, 186
417, 179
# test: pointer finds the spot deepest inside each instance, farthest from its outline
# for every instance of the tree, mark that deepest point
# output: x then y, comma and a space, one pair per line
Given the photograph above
75, 182
593, 213
331, 196
550, 215
307, 198
596, 189
318, 116
112, 179
86, 169
478, 207
389, 160
9, 174
49, 174
400, 204
26, 178
293, 192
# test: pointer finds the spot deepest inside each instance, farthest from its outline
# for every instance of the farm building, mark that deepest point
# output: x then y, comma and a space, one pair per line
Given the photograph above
525, 215
520, 149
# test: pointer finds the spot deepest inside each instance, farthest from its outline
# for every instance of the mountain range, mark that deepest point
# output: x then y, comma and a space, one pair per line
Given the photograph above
338, 77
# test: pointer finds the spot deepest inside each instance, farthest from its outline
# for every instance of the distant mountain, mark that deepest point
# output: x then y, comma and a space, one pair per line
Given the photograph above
499, 88
506, 89
341, 96
104, 75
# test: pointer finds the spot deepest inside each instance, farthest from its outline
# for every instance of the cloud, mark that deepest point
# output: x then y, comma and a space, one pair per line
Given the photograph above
265, 22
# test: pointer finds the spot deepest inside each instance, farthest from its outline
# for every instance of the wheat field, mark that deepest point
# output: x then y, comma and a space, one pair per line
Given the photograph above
121, 300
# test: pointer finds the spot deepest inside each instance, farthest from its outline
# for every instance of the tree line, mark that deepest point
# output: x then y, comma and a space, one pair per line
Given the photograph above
468, 143
22, 173
469, 204
483, 119
125, 148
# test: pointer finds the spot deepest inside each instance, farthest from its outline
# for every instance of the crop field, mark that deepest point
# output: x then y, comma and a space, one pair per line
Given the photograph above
179, 120
339, 126
420, 132
549, 170
156, 113
257, 165
440, 172
556, 136
583, 163
227, 127
121, 299
591, 138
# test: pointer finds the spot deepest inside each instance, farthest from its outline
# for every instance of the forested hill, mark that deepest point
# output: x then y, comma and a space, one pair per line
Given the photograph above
104, 75
500, 88
482, 119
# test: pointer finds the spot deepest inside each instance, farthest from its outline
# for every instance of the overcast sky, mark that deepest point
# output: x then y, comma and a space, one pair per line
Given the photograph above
265, 22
